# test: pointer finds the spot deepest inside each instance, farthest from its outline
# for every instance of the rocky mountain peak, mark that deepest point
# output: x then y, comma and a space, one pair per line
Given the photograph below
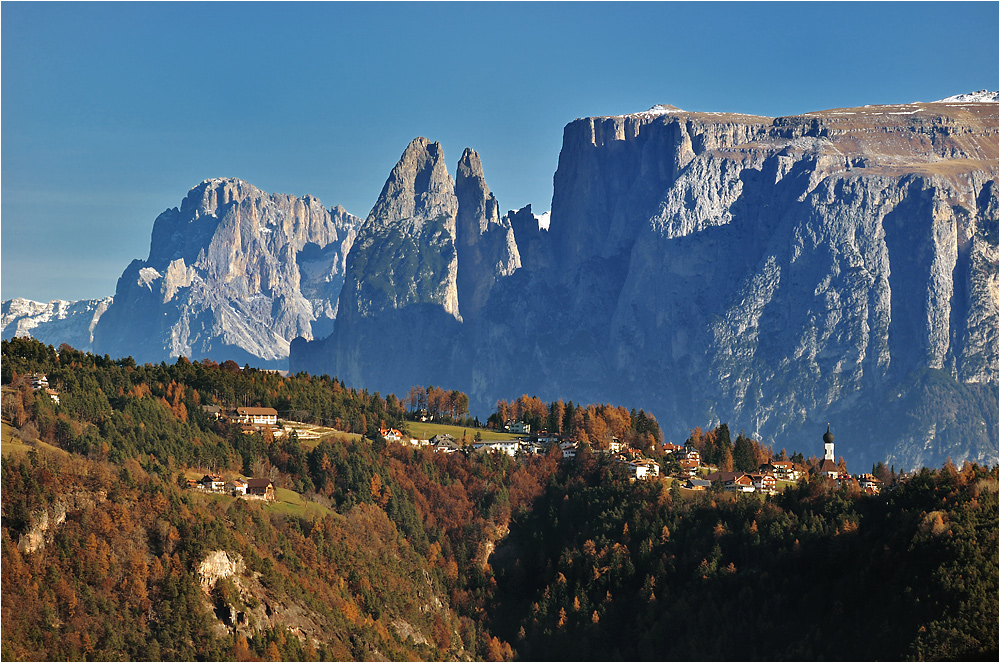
487, 249
234, 272
419, 187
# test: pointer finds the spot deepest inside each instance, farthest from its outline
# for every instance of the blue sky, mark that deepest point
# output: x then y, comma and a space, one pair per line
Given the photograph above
112, 111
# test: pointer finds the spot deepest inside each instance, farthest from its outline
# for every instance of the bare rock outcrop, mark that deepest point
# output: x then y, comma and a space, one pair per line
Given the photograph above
234, 273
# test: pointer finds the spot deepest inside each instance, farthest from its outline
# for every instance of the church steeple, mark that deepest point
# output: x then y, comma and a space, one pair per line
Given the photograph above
828, 444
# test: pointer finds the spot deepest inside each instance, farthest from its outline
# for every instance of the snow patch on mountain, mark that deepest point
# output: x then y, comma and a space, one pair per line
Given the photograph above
978, 97
55, 322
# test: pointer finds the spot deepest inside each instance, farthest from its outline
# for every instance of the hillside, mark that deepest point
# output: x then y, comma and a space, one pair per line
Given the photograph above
378, 551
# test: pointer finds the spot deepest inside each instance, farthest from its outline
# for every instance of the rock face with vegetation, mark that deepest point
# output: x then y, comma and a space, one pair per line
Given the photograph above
234, 273
779, 272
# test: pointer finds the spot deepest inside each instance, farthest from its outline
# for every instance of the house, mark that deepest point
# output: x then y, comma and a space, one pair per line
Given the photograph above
670, 448
737, 481
53, 394
213, 411
517, 427
765, 483
239, 487
509, 447
213, 483
39, 381
781, 469
256, 416
688, 467
845, 479
544, 437
691, 452
740, 484
390, 434
444, 443
569, 448
643, 469
698, 484
260, 489
533, 448
870, 484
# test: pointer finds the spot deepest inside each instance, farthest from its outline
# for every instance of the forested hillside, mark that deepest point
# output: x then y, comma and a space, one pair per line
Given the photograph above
400, 553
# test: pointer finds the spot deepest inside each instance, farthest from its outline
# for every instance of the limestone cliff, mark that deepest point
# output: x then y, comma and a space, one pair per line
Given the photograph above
234, 273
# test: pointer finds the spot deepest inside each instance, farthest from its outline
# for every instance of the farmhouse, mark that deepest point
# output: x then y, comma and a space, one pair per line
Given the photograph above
213, 482
256, 415
260, 488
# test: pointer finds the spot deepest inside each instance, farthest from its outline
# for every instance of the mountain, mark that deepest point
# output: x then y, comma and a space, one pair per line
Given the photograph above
428, 243
234, 273
775, 273
55, 322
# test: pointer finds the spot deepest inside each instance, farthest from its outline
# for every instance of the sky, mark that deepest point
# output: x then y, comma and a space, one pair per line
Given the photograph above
111, 112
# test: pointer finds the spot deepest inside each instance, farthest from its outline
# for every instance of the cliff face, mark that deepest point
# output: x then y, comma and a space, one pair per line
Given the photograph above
234, 273
779, 274
776, 274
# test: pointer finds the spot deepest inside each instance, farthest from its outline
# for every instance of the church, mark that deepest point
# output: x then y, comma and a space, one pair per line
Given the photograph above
829, 466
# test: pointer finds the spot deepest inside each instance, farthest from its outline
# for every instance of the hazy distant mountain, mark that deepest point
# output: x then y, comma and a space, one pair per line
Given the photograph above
55, 322
774, 273
235, 273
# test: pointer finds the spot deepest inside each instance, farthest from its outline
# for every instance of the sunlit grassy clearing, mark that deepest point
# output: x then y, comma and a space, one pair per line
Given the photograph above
423, 430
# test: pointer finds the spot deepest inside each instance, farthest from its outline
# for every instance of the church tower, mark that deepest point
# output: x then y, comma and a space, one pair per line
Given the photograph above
828, 445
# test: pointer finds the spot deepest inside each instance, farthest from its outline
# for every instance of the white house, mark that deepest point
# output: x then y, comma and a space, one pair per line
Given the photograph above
643, 469
569, 449
256, 415
517, 427
509, 447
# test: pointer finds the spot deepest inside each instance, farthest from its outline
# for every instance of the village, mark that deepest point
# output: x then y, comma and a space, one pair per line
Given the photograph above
692, 473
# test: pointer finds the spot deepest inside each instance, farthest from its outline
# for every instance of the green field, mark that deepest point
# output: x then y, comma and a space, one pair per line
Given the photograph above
423, 430
291, 503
